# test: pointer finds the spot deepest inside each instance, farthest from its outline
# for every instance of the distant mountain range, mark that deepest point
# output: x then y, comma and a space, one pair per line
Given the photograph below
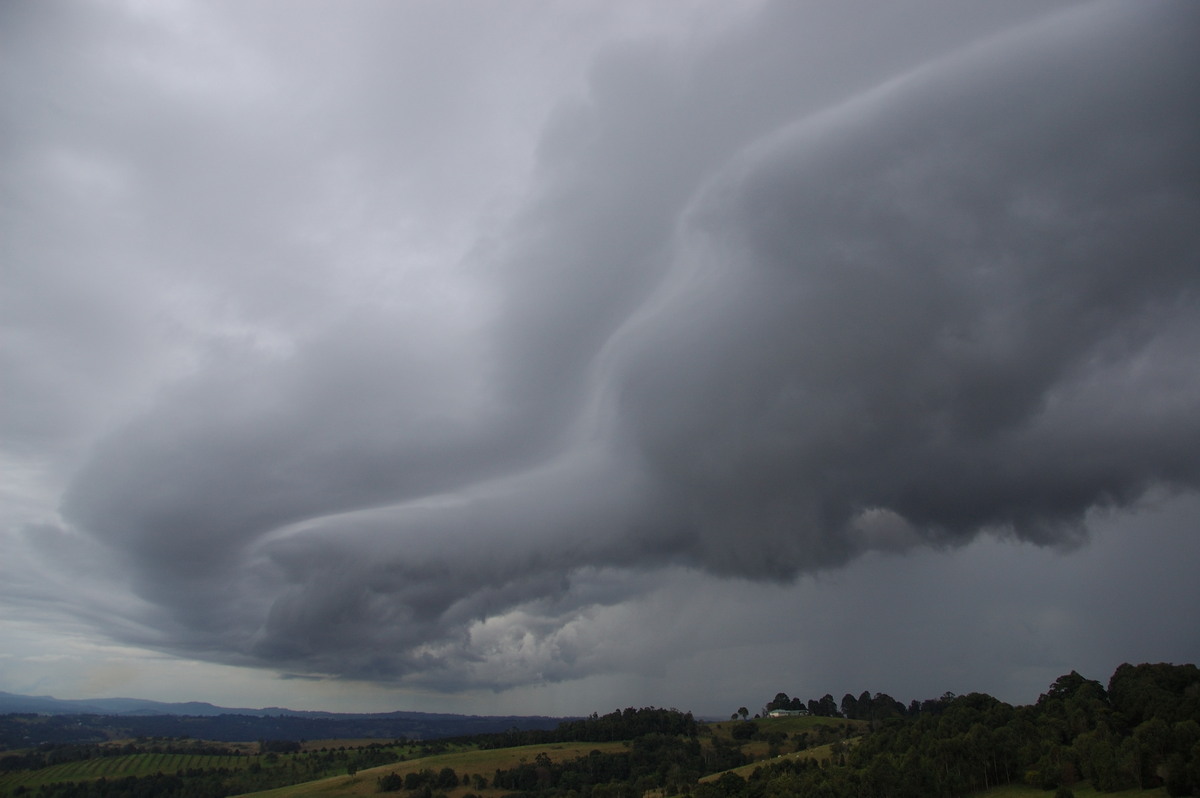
48, 705
131, 717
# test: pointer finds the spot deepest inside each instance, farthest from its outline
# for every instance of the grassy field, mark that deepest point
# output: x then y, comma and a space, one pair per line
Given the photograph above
469, 763
118, 767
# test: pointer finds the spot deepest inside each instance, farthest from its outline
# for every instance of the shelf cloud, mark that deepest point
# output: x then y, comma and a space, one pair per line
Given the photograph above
751, 308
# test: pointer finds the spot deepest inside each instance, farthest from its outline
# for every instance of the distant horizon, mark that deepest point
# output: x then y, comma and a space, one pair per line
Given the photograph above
715, 717
96, 700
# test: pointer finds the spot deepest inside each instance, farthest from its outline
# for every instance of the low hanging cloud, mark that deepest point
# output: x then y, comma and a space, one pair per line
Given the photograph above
754, 336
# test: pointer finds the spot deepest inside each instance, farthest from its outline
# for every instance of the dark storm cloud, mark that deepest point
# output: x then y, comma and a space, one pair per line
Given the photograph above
949, 299
750, 321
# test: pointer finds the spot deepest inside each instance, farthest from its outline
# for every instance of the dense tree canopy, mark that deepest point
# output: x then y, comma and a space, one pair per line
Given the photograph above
1142, 731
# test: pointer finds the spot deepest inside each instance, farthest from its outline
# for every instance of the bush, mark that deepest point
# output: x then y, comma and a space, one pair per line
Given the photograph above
390, 783
744, 731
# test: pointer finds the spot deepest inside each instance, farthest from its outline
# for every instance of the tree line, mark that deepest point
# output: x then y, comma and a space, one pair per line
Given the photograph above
1142, 731
621, 724
877, 707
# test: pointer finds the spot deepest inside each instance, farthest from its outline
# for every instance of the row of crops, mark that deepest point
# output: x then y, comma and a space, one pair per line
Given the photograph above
120, 767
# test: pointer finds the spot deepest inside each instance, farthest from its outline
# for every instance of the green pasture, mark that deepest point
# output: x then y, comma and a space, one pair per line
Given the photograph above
118, 767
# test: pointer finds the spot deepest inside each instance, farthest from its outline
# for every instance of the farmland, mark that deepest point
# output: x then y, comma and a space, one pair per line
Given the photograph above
118, 767
1138, 737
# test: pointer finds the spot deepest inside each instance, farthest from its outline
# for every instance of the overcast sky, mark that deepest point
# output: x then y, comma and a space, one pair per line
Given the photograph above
549, 358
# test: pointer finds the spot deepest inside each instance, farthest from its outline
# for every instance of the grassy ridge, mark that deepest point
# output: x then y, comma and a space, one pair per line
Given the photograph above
818, 753
820, 732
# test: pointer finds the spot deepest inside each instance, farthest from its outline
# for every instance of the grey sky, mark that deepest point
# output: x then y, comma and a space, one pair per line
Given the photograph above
553, 357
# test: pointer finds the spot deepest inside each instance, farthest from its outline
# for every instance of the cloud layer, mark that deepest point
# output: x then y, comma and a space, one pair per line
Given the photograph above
743, 321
